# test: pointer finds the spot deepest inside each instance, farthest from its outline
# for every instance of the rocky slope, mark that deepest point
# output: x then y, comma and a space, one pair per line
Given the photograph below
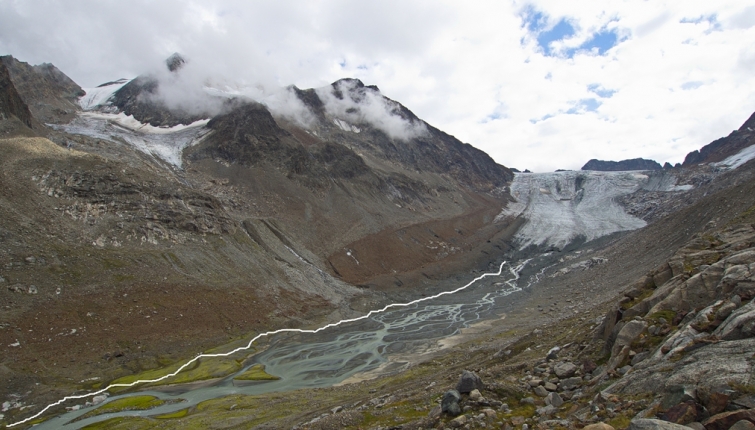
623, 165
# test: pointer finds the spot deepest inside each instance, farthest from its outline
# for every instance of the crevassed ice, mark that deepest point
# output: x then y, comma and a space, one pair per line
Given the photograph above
564, 205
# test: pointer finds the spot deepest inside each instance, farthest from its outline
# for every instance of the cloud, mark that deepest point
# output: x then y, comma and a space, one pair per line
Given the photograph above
454, 65
600, 91
357, 104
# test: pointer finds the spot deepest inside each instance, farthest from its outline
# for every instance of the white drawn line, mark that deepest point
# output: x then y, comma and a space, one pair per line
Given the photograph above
269, 333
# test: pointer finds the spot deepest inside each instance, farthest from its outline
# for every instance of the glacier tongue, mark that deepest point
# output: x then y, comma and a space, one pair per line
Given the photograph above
166, 143
562, 206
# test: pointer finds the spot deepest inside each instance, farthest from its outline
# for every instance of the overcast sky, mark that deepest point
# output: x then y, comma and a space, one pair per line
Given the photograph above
536, 84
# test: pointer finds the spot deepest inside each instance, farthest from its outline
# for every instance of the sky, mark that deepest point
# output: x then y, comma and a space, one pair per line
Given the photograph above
539, 85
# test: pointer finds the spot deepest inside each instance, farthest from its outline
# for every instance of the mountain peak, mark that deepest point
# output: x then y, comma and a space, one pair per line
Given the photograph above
175, 62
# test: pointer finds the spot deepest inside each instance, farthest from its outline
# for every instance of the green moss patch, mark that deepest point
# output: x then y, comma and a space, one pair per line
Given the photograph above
256, 373
200, 370
133, 403
130, 423
172, 415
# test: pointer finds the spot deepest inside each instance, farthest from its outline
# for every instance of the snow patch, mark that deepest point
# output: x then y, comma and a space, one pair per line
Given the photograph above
738, 159
345, 126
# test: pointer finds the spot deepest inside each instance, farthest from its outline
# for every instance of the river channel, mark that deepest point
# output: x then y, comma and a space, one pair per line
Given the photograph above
333, 355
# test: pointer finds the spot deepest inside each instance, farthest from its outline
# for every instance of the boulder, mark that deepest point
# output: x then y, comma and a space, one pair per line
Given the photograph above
475, 395
725, 420
651, 424
450, 403
717, 402
683, 413
534, 382
550, 386
677, 394
546, 411
571, 383
742, 425
468, 382
554, 400
565, 370
628, 334
663, 276
598, 426
458, 422
540, 391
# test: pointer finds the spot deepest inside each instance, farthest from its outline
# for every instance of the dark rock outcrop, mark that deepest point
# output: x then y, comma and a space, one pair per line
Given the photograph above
724, 147
623, 165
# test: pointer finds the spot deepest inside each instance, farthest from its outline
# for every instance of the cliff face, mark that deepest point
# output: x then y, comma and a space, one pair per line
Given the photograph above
623, 165
11, 104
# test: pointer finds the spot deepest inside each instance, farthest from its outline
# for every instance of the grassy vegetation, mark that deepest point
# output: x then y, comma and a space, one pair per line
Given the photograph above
667, 315
173, 415
630, 304
620, 422
133, 403
117, 423
202, 369
399, 413
256, 373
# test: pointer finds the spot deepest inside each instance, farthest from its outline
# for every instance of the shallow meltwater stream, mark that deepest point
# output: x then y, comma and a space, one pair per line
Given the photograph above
335, 354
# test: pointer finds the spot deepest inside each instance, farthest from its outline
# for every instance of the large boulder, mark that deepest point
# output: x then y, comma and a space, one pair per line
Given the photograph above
565, 370
450, 403
725, 420
469, 381
628, 334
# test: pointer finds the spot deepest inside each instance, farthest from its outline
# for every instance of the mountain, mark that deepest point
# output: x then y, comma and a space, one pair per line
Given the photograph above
50, 95
146, 220
623, 165
222, 225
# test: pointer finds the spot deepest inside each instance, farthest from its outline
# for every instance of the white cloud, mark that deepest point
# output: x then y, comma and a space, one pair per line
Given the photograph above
357, 105
470, 69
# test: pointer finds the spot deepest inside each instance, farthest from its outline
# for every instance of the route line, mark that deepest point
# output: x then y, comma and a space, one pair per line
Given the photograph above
514, 271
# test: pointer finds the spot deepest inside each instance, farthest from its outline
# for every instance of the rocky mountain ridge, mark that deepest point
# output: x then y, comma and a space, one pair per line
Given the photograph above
623, 165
